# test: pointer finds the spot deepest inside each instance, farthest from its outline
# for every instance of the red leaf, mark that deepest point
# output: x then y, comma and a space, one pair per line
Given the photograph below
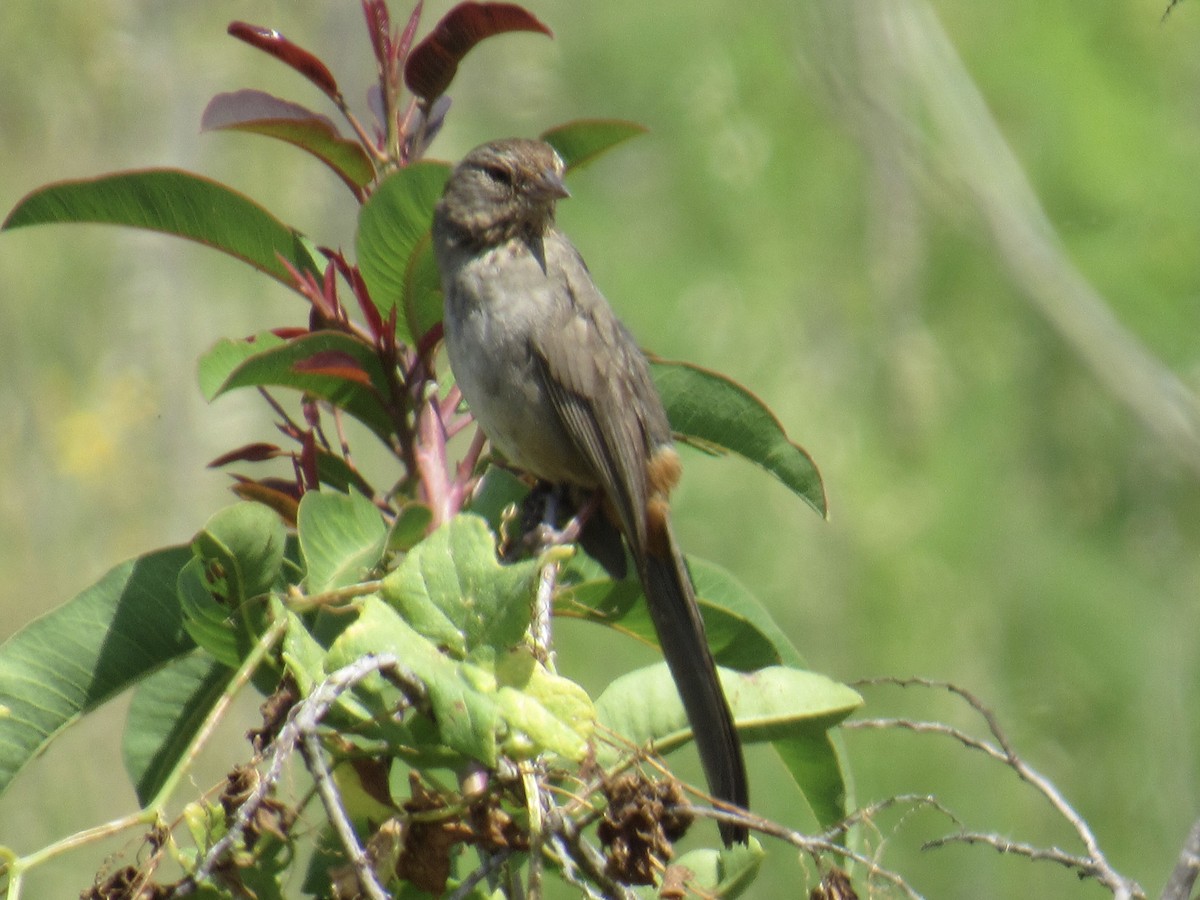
433, 62
308, 461
249, 453
335, 364
271, 41
379, 27
273, 493
359, 288
406, 39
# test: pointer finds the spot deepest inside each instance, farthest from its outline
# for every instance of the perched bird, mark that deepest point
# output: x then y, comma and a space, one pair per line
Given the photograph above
561, 389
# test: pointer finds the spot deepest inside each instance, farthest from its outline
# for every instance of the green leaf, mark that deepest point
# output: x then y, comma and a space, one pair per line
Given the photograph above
815, 762
226, 356
266, 360
768, 705
168, 709
462, 695
211, 623
718, 414
394, 251
791, 708
342, 538
454, 590
257, 112
408, 529
742, 635
740, 631
723, 873
71, 660
173, 202
248, 542
239, 555
545, 712
581, 141
334, 471
303, 655
495, 491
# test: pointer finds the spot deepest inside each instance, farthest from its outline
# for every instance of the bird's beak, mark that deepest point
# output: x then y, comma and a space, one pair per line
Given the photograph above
551, 186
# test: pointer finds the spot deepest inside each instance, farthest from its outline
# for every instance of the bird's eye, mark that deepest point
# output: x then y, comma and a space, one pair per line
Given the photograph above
499, 174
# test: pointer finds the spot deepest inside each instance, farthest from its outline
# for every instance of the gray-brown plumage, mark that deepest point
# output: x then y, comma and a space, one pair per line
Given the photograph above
562, 391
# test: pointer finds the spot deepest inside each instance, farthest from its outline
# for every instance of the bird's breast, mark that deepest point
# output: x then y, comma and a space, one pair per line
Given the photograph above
495, 301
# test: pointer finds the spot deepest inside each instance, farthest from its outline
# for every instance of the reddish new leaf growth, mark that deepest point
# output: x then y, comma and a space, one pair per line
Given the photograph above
249, 453
379, 27
271, 41
274, 493
286, 333
335, 364
308, 461
433, 63
429, 341
410, 30
326, 308
359, 289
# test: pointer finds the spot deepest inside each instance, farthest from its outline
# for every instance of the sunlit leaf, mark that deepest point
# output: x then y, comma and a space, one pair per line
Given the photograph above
248, 541
393, 247
544, 711
792, 708
726, 873
409, 528
462, 696
268, 361
741, 632
580, 142
176, 203
452, 588
209, 620
718, 414
769, 704
342, 538
816, 763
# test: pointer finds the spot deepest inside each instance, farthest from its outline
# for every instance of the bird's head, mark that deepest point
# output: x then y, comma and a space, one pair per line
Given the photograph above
504, 189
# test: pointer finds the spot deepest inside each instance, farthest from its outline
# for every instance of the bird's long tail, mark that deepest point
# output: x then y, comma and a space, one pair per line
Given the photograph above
672, 601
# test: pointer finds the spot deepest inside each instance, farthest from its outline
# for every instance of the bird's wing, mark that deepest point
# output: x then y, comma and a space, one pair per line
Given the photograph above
594, 380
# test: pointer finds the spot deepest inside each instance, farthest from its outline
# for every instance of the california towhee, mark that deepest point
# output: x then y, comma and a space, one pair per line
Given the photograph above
563, 392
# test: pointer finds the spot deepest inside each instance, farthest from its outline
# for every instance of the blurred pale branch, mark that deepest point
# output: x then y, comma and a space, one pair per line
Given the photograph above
905, 92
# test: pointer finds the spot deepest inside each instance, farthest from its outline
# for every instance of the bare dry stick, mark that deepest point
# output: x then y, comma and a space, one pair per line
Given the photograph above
301, 724
1094, 864
1183, 876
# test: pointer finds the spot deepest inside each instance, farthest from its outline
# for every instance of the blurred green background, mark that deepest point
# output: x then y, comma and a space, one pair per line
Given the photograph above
952, 245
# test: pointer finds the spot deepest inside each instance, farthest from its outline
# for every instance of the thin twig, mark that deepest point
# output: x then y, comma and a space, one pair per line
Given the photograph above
1183, 876
1081, 865
488, 867
1095, 864
302, 720
558, 851
540, 625
590, 860
310, 749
